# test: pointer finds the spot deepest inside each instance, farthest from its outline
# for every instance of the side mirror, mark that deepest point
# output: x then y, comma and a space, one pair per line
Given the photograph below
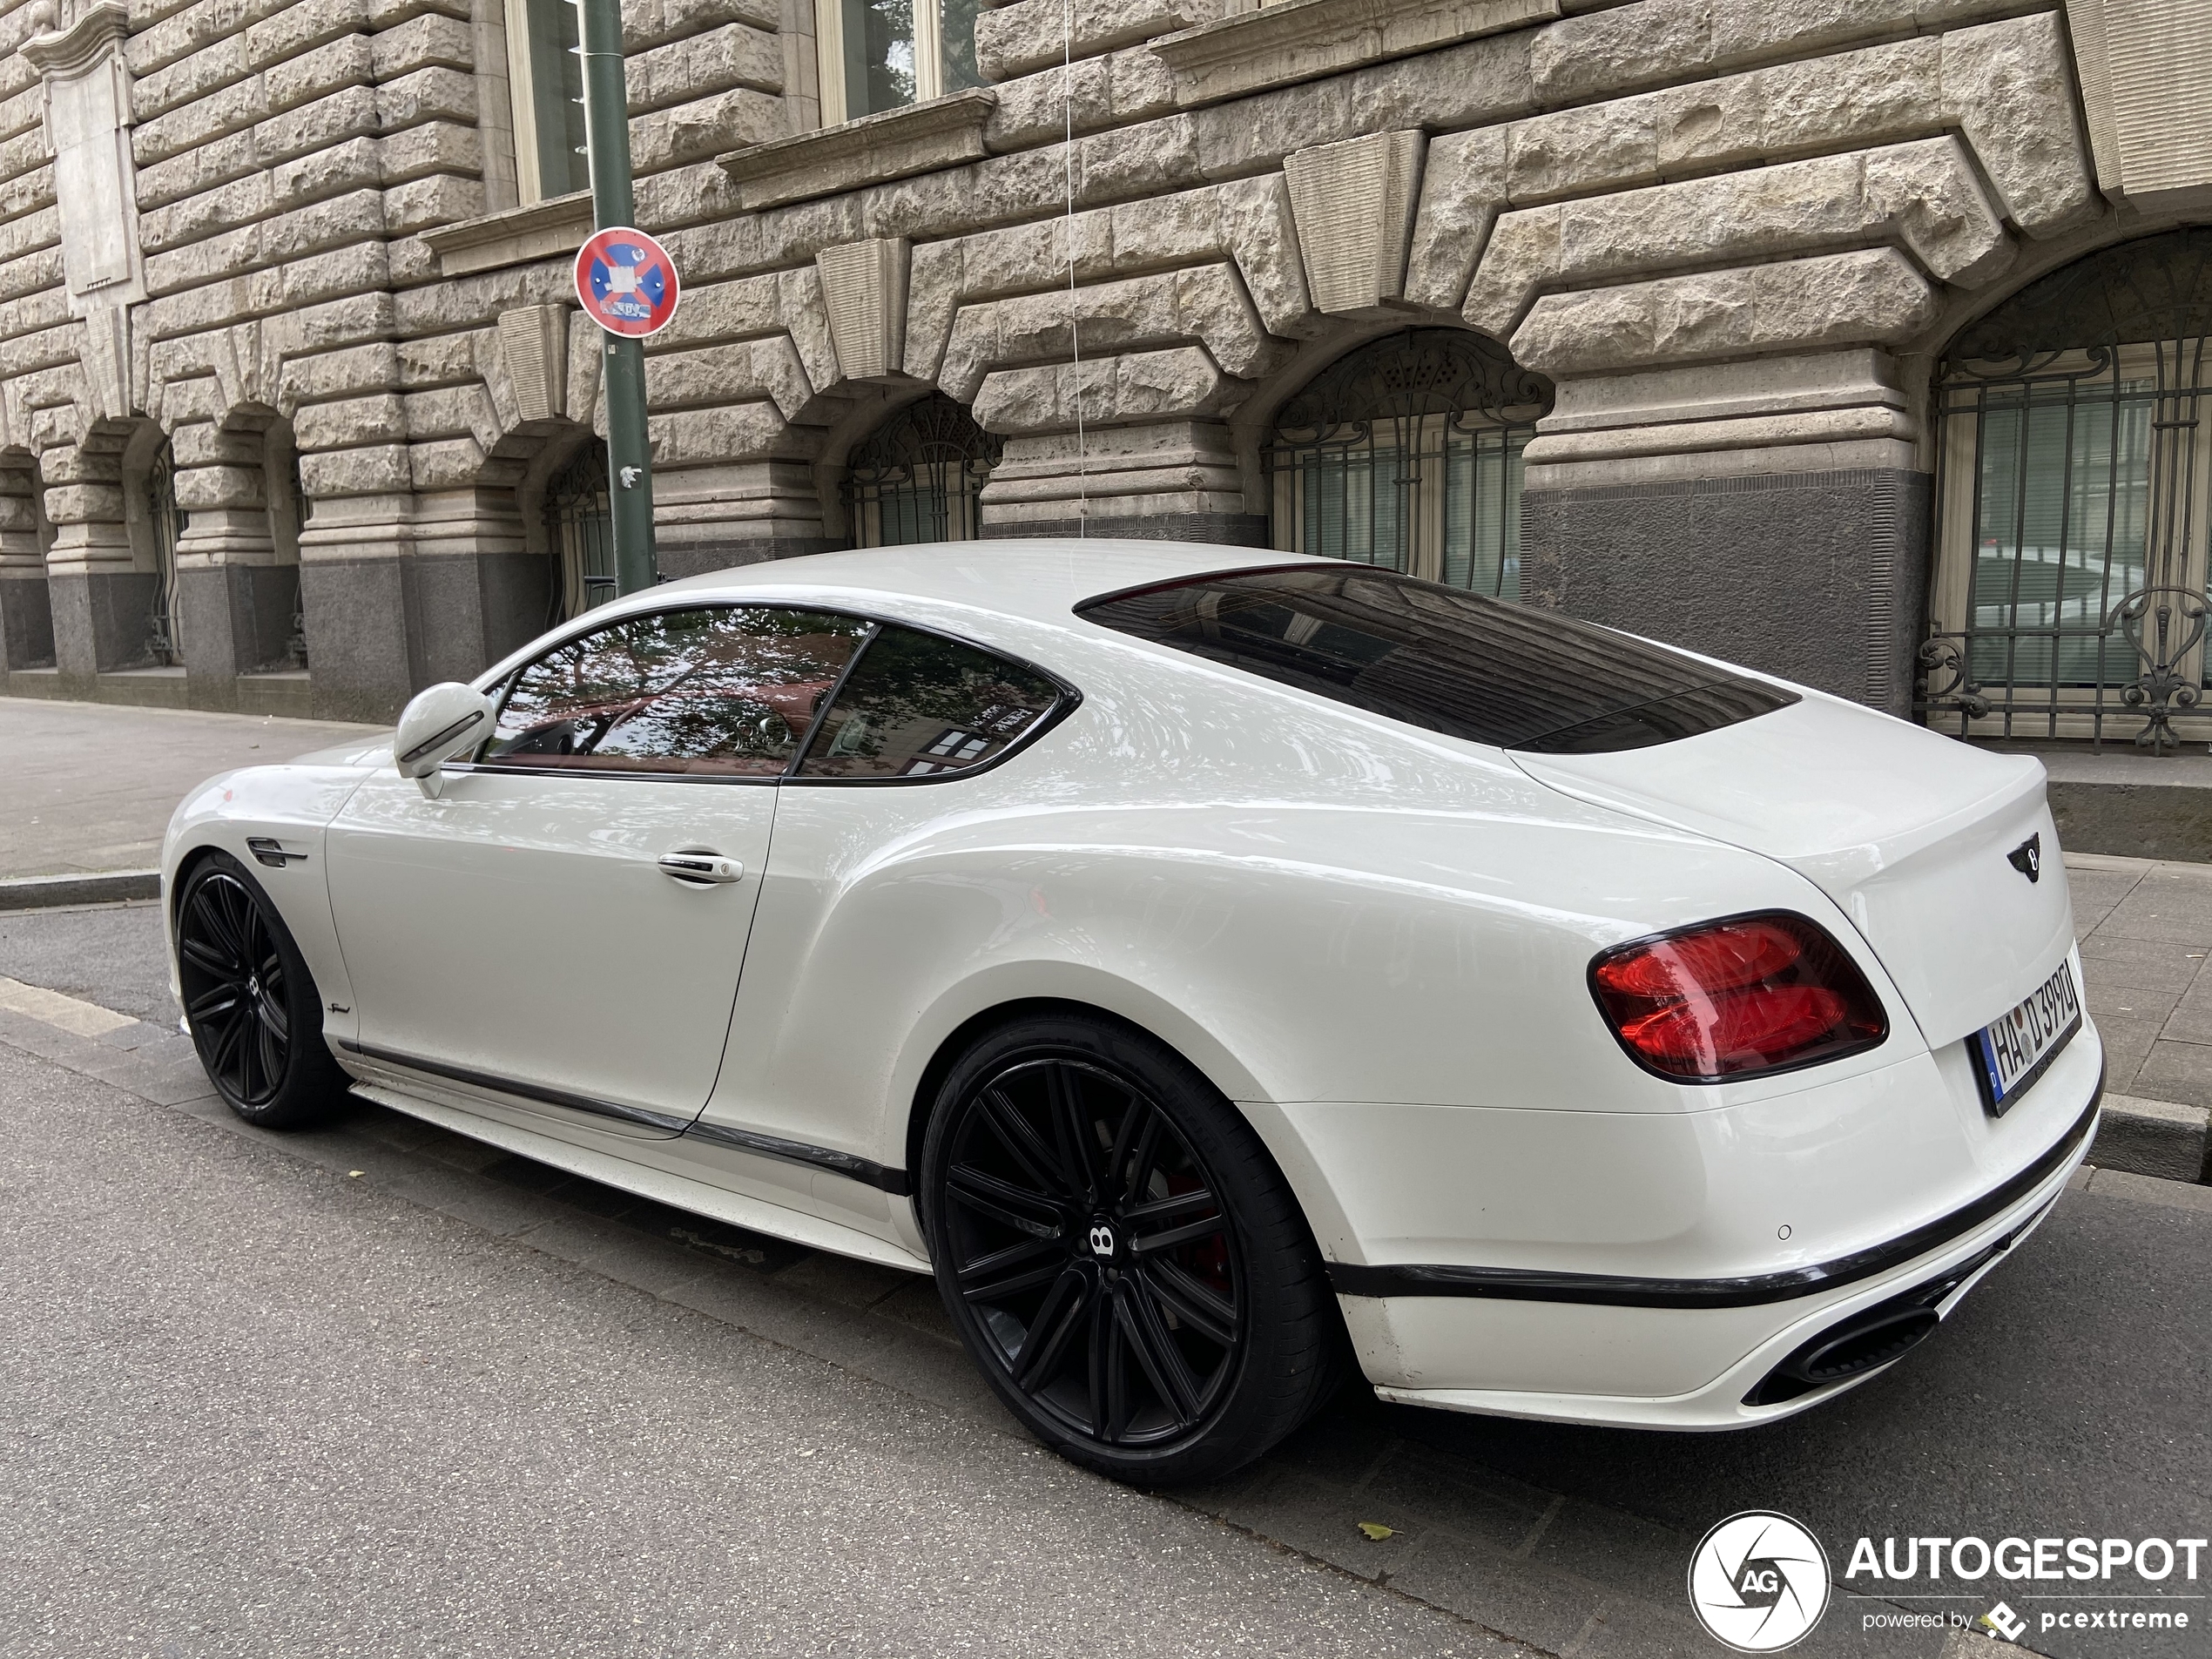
438, 725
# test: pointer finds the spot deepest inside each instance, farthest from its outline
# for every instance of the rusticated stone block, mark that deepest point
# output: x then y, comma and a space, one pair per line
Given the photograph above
350, 165
435, 146
1206, 304
349, 113
377, 470
452, 412
239, 104
349, 372
344, 62
286, 30
1353, 205
750, 369
735, 55
864, 291
1925, 193
1274, 44
419, 42
705, 128
239, 203
216, 65
432, 94
705, 437
1844, 299
1030, 34
350, 423
442, 198
1138, 385
210, 164
647, 23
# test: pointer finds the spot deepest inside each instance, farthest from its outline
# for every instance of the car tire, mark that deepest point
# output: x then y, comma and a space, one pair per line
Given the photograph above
1123, 1329
250, 1003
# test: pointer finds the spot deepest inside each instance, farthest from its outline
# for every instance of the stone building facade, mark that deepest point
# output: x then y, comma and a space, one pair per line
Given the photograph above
1646, 308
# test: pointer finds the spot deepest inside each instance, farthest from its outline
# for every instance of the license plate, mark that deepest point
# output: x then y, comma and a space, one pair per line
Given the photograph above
2011, 1051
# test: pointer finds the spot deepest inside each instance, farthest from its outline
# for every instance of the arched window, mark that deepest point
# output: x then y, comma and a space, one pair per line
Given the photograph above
580, 531
165, 523
2069, 593
918, 477
1407, 454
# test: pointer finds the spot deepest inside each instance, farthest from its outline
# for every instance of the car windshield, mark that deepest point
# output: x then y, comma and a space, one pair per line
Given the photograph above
1441, 659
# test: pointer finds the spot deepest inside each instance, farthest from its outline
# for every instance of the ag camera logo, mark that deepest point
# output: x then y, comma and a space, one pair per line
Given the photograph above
1758, 1583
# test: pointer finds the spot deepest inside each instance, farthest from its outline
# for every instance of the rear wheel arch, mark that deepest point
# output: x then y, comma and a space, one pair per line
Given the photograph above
1281, 1368
1278, 1138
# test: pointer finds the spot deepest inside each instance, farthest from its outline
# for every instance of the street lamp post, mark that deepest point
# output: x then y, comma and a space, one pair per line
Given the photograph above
606, 136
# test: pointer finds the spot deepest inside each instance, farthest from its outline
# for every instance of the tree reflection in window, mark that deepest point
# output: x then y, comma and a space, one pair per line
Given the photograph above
724, 690
917, 706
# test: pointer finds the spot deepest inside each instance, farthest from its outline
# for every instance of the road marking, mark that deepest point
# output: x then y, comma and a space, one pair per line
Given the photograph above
81, 1018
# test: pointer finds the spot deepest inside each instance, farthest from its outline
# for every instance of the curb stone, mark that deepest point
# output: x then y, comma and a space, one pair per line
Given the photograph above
2156, 1137
107, 887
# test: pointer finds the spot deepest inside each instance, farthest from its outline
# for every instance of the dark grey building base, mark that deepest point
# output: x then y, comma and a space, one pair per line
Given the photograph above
475, 608
381, 629
100, 622
1226, 529
2135, 821
1818, 576
679, 559
235, 619
26, 623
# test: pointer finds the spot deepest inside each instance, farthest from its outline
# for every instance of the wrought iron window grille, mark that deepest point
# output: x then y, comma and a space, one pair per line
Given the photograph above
580, 534
2072, 577
1406, 453
166, 521
920, 476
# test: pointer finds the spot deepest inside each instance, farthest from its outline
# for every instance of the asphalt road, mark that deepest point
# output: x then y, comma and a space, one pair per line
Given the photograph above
255, 1403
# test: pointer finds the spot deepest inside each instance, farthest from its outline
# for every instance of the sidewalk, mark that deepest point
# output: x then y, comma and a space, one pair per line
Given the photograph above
90, 787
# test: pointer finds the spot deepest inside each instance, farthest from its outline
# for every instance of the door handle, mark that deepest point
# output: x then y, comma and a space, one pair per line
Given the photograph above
701, 869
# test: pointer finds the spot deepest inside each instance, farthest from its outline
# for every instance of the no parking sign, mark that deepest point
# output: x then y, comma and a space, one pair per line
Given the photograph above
626, 283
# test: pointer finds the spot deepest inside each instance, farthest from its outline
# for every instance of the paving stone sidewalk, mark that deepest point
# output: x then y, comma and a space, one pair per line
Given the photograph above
90, 787
2146, 931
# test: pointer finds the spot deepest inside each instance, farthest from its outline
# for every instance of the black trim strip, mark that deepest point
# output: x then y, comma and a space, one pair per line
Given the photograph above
853, 1168
539, 1092
1606, 1289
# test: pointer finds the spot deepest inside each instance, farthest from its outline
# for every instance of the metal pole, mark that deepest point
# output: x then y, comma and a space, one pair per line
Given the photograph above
606, 136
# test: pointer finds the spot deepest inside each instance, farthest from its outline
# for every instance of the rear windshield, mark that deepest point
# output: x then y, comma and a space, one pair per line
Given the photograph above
1441, 660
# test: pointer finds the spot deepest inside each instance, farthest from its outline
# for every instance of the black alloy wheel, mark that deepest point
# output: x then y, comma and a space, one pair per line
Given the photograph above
250, 1005
1120, 1255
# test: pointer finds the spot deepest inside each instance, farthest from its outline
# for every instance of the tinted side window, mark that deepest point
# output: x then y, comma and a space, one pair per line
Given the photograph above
917, 705
1441, 659
726, 692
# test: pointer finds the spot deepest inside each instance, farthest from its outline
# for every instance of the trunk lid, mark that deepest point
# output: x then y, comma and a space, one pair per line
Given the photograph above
1908, 831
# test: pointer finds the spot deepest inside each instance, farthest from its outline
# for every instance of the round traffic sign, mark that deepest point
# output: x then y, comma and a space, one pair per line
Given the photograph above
626, 283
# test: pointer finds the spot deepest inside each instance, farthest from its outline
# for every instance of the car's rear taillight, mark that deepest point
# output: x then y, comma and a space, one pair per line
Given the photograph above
1735, 998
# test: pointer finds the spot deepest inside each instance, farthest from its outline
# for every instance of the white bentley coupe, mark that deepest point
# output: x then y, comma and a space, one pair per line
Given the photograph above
1217, 968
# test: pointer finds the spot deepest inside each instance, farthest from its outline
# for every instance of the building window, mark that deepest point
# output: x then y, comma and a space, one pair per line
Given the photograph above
2070, 594
580, 531
1406, 454
166, 522
546, 77
879, 54
920, 476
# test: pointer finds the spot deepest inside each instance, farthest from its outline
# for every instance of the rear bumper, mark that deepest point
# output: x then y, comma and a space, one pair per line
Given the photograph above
1678, 1354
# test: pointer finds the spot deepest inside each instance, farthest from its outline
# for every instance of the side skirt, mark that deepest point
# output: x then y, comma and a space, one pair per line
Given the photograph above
681, 1192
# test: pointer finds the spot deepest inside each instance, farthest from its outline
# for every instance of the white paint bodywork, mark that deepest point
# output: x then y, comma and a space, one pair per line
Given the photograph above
1374, 939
